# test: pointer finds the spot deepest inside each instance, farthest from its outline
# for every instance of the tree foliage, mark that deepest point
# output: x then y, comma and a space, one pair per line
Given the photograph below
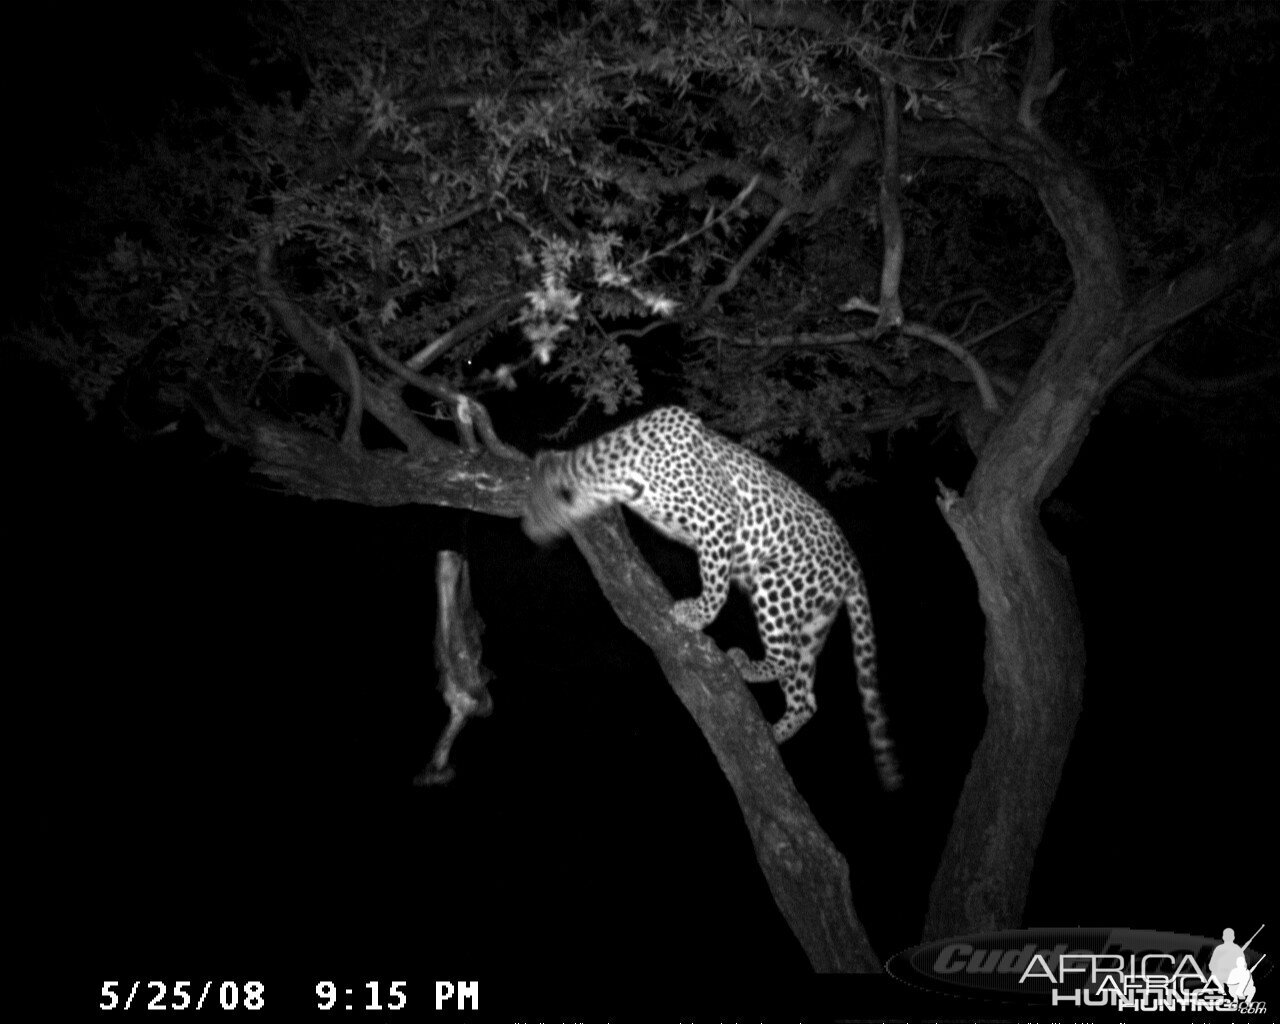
596, 172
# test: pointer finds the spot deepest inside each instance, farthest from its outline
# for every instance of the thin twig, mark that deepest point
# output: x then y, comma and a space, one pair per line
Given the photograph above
463, 329
913, 329
753, 250
355, 410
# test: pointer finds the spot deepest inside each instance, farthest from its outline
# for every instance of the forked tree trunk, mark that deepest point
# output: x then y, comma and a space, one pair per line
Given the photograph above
1035, 658
1035, 661
1034, 670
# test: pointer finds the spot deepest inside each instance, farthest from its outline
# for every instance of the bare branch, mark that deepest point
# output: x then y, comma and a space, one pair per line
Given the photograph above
1005, 324
433, 386
1038, 84
464, 329
471, 415
753, 250
890, 213
467, 412
913, 329
948, 344
355, 411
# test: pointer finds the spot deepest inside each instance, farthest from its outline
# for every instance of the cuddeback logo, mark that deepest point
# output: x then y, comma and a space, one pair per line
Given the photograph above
1114, 967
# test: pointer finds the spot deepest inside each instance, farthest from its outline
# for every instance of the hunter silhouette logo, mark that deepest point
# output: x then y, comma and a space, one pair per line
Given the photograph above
1230, 971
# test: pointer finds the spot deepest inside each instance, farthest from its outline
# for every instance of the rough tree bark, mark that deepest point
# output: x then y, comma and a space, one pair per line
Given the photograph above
806, 874
1035, 659
1035, 654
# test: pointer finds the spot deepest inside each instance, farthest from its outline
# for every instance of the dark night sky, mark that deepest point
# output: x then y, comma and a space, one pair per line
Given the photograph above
232, 690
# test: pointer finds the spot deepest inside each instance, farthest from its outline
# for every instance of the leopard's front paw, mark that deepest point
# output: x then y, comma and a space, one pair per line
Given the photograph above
762, 671
688, 612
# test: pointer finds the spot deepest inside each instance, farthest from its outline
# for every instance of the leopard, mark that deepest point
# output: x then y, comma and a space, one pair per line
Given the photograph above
751, 526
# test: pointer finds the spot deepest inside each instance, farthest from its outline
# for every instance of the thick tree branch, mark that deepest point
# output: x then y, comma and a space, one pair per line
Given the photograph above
337, 360
312, 466
806, 874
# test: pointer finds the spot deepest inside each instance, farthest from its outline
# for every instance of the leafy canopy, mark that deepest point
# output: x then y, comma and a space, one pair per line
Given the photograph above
563, 197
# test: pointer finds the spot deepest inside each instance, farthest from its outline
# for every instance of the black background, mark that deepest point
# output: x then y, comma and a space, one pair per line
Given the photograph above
219, 696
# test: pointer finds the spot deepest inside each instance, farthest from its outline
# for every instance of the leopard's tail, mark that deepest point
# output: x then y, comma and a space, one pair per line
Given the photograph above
864, 657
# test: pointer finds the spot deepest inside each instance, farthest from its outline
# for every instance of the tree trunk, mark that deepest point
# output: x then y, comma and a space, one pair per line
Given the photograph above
1035, 659
1034, 672
1033, 679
